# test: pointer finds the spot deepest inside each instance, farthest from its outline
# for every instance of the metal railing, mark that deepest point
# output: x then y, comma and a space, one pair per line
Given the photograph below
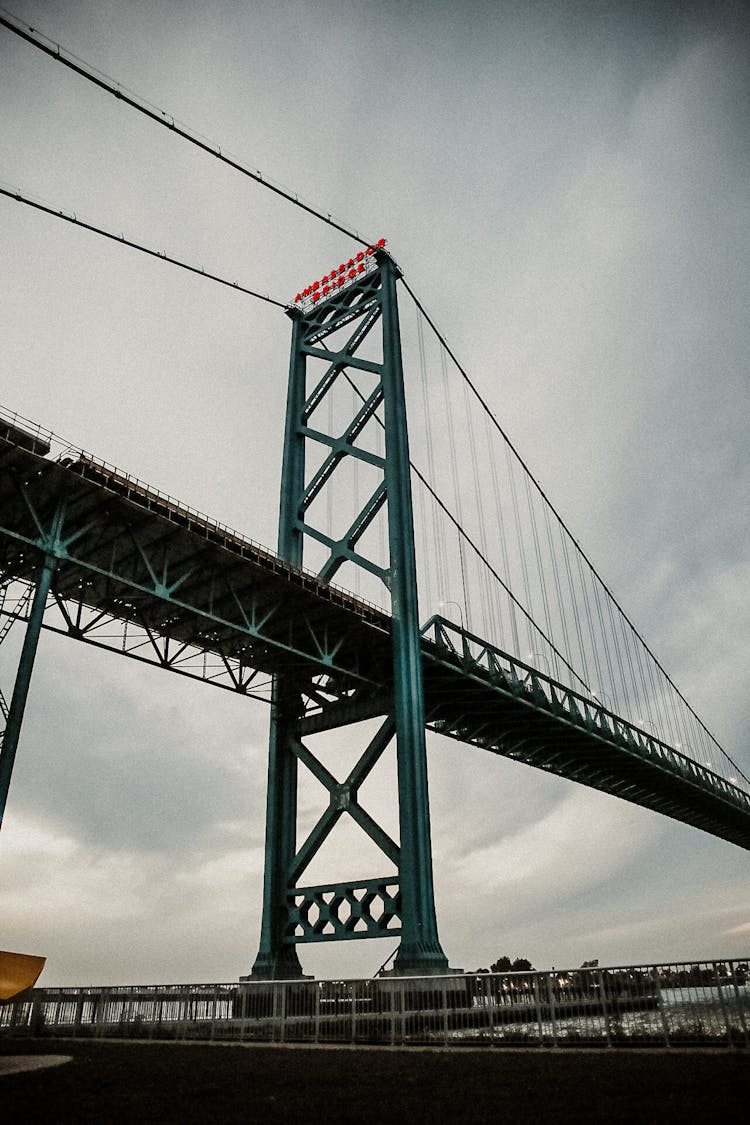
701, 1003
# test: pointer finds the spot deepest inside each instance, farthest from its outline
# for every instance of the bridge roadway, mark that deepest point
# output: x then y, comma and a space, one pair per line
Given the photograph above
138, 573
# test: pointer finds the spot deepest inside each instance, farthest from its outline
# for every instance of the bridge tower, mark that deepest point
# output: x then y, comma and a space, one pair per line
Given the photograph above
360, 298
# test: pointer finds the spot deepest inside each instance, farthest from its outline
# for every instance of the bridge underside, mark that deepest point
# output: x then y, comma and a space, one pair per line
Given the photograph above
201, 601
480, 696
139, 574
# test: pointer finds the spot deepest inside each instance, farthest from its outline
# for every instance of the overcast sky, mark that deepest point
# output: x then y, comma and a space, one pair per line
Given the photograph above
566, 188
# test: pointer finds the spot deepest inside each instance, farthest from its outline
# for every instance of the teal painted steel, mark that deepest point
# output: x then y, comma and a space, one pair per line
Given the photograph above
342, 911
482, 696
52, 546
420, 949
363, 305
277, 959
17, 707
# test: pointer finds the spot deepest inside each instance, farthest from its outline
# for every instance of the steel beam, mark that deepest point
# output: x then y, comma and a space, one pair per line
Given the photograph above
23, 678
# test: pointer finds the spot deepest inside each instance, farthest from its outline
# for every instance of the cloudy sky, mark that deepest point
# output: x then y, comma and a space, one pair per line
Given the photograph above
566, 188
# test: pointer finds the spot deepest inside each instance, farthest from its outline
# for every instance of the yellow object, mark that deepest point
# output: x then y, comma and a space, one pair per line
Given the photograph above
18, 971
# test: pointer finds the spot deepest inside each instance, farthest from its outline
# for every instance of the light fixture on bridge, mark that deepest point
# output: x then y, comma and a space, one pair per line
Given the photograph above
443, 605
540, 656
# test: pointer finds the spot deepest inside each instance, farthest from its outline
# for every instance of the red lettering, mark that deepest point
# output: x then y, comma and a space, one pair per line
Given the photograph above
337, 276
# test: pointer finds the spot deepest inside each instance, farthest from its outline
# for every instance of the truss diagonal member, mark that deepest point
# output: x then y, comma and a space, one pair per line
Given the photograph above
75, 628
314, 842
75, 534
344, 548
144, 557
342, 446
341, 359
324, 776
162, 653
362, 417
373, 753
172, 587
367, 308
334, 545
326, 470
341, 801
343, 798
161, 586
375, 832
25, 667
30, 507
256, 622
326, 651
17, 613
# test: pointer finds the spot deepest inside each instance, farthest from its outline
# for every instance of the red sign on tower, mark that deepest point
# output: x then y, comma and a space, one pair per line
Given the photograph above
340, 276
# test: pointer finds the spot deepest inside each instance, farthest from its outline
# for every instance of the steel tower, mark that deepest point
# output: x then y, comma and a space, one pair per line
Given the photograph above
360, 297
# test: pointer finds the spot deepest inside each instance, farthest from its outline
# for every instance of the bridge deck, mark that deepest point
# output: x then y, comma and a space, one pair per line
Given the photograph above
478, 695
129, 555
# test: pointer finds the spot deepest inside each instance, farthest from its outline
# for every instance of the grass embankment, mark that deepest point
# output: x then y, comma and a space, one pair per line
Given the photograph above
153, 1082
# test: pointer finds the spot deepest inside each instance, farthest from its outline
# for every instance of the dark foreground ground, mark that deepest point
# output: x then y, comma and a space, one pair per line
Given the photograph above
154, 1082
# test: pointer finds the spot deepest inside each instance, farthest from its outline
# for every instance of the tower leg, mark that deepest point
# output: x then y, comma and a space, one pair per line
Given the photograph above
276, 959
23, 679
420, 950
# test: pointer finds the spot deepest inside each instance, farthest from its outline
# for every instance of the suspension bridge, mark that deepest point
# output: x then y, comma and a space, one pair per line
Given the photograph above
92, 553
422, 579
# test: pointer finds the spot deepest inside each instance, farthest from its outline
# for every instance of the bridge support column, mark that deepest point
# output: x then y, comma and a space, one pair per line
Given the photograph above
367, 908
278, 960
23, 678
420, 950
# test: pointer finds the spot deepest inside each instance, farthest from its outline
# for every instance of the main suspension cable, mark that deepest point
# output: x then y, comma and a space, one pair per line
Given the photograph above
161, 117
137, 246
